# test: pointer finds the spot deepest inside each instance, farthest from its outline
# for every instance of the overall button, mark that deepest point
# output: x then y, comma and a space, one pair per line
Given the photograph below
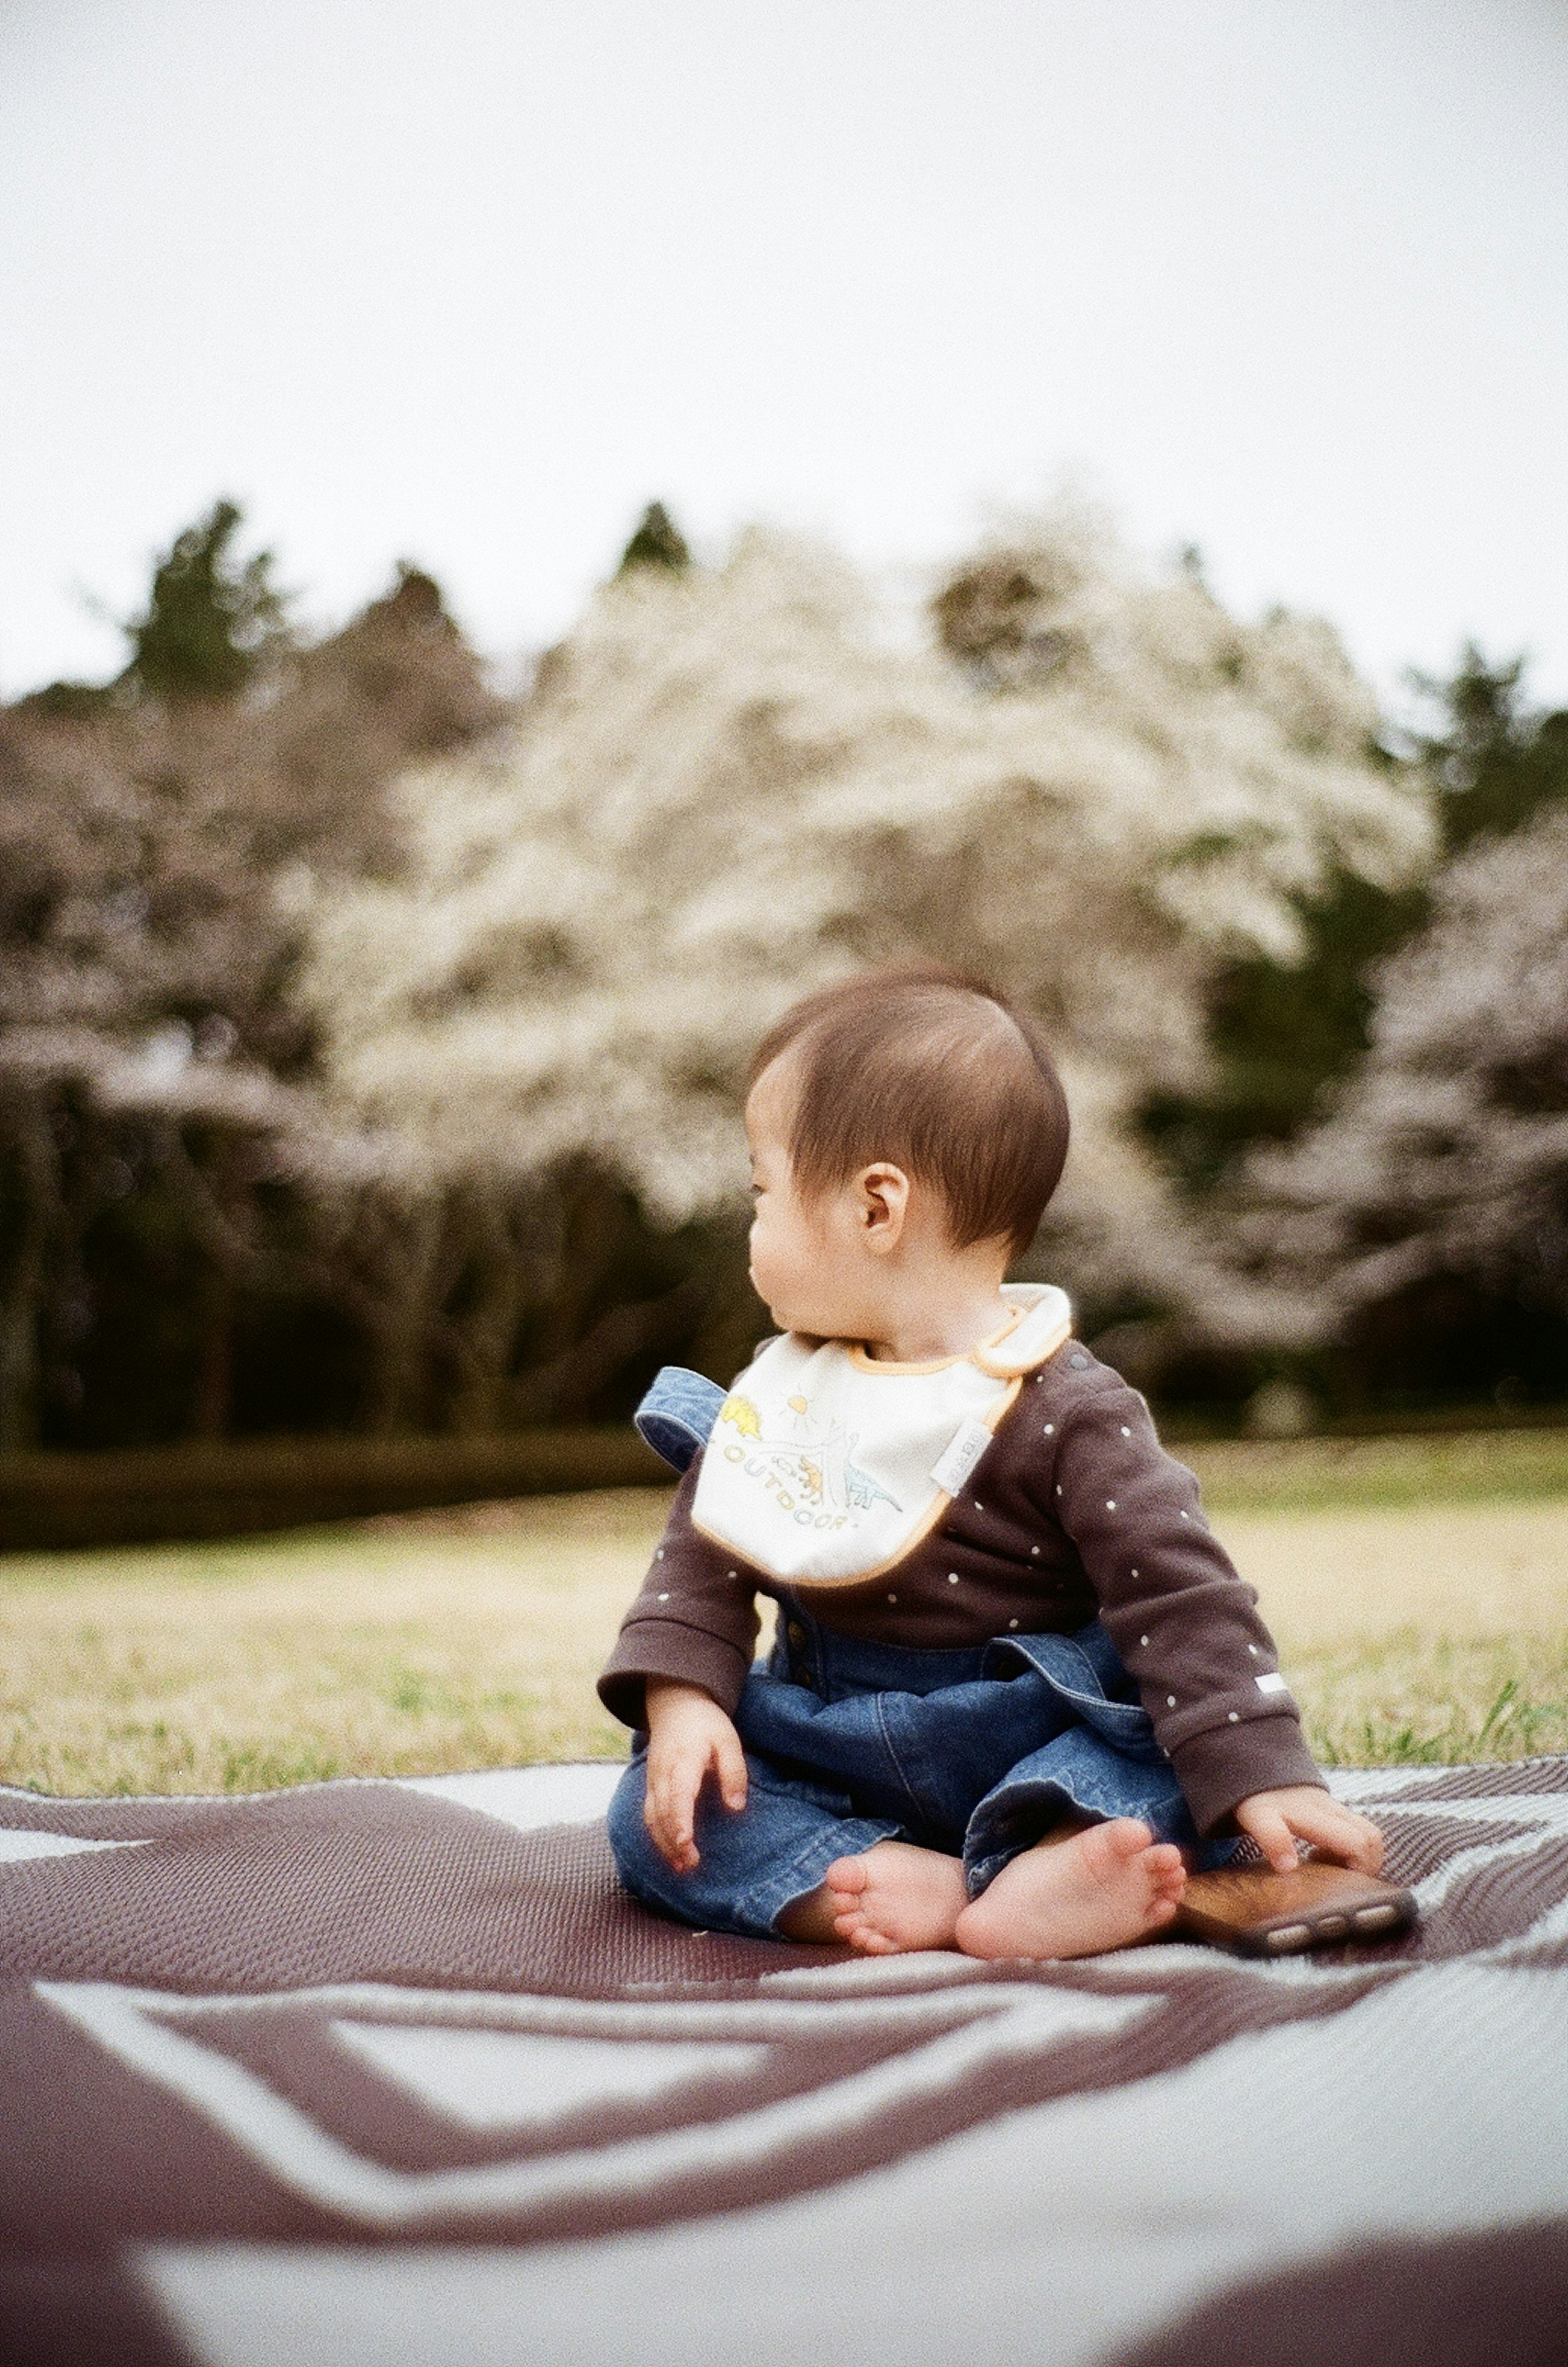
796, 1635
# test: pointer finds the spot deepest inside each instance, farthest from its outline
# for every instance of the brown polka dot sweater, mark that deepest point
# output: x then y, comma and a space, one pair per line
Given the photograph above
1074, 1509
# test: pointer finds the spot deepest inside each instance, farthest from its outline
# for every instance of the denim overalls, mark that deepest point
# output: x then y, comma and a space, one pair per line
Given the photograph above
976, 1752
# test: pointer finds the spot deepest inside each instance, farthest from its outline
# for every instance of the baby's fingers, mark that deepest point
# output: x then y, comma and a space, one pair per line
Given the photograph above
730, 1762
1340, 1833
669, 1809
1269, 1830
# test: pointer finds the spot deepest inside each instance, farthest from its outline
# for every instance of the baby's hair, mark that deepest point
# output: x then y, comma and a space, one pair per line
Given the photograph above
937, 1072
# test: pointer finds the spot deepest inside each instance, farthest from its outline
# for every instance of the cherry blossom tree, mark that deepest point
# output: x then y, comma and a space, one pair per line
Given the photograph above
733, 784
1447, 1153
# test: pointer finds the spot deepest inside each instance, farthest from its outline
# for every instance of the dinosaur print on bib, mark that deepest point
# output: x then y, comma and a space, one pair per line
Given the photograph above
825, 1467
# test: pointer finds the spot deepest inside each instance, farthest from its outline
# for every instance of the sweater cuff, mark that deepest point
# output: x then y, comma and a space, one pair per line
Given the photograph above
1225, 1764
667, 1647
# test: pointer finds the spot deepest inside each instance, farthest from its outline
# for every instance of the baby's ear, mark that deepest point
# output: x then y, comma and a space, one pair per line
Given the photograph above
884, 1194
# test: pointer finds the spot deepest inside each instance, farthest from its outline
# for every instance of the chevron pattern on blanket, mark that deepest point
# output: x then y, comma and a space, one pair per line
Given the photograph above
261, 2054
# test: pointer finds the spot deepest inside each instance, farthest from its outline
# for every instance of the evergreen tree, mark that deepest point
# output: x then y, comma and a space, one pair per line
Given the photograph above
657, 543
1495, 764
210, 620
1280, 1035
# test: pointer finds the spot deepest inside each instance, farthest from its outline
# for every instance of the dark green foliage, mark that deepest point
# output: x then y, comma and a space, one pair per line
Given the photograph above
1494, 764
210, 620
1281, 1038
657, 543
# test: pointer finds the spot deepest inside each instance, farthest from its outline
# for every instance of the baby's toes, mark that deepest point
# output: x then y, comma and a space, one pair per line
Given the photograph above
1123, 1837
847, 1877
1171, 1875
859, 1933
1114, 1853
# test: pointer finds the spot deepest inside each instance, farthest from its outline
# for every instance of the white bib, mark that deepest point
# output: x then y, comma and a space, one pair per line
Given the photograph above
825, 1466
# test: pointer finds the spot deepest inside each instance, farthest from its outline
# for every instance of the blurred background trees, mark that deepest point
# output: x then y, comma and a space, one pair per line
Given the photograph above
371, 1048
1428, 1206
1280, 1034
210, 624
1304, 1054
164, 1212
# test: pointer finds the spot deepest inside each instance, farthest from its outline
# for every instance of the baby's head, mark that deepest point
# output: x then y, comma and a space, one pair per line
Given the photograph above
907, 1129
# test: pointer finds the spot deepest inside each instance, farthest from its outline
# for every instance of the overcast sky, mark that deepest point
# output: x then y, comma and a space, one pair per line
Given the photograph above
1287, 279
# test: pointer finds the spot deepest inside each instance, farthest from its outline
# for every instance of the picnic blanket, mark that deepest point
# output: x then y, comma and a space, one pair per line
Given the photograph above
372, 2072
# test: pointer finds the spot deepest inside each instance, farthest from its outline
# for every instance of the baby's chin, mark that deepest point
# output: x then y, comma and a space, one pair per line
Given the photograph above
803, 1321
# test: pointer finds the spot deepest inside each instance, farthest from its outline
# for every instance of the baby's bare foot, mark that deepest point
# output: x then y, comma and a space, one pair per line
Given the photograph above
1105, 1888
895, 1898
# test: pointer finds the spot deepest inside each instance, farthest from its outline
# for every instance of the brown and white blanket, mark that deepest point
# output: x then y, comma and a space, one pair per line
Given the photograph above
391, 2075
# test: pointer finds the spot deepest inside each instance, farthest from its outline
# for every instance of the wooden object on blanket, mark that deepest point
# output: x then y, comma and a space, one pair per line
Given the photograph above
1253, 1911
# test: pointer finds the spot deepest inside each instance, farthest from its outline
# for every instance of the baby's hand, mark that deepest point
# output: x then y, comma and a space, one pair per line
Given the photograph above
1277, 1820
687, 1734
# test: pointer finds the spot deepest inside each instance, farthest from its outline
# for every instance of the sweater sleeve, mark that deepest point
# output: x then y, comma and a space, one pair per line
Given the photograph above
696, 1619
1183, 1620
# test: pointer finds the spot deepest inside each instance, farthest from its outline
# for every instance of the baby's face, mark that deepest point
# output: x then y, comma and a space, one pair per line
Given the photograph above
807, 1266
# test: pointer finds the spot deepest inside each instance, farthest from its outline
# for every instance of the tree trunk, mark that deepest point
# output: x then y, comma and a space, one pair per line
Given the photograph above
404, 1243
485, 1335
564, 1389
26, 1268
213, 1393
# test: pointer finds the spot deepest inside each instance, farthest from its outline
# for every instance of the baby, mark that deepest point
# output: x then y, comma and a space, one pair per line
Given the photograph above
1018, 1687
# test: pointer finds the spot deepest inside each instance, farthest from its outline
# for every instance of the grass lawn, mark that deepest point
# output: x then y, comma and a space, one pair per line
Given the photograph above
1418, 1589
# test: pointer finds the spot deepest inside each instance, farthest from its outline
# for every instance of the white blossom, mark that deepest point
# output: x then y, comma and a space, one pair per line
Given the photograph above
1448, 1152
738, 783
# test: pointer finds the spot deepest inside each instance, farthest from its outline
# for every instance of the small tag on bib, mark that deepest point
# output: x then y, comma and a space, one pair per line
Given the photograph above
960, 1456
1272, 1683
